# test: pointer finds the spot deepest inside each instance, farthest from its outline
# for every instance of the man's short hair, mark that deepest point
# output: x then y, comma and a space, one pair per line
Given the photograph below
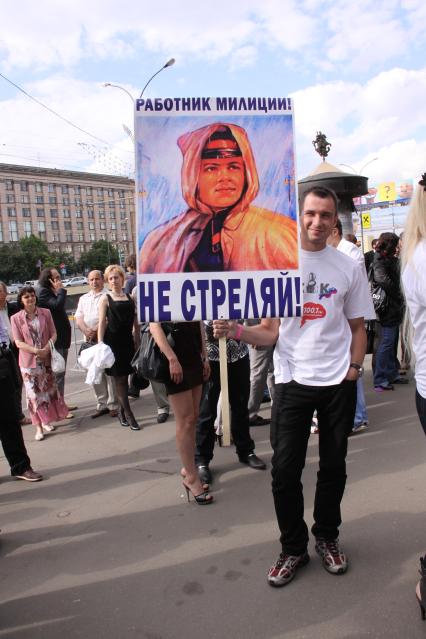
320, 191
130, 261
339, 227
95, 270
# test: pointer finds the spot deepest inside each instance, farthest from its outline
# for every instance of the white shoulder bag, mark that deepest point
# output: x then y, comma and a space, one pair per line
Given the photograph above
57, 361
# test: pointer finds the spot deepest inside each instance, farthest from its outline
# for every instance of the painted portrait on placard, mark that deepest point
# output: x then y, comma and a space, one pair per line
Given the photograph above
222, 227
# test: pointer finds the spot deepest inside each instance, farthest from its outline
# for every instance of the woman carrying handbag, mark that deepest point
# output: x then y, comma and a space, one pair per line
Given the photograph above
33, 328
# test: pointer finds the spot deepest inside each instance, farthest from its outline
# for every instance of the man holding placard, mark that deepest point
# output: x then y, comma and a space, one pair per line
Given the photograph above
318, 360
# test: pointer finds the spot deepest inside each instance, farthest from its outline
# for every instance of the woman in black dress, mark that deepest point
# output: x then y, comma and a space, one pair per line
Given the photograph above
189, 367
116, 322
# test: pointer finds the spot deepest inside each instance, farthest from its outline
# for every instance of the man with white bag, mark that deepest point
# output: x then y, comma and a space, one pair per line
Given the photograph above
87, 319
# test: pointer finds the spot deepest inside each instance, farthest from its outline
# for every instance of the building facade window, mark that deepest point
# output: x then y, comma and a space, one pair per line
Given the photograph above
25, 199
92, 237
55, 225
39, 199
53, 212
39, 187
80, 226
66, 201
27, 229
92, 226
41, 227
100, 192
64, 188
113, 235
110, 192
123, 215
9, 185
67, 226
24, 187
101, 214
11, 211
67, 213
53, 199
56, 237
51, 188
102, 226
79, 213
90, 214
88, 190
68, 237
77, 189
80, 237
13, 231
113, 226
26, 212
40, 212
1, 232
10, 198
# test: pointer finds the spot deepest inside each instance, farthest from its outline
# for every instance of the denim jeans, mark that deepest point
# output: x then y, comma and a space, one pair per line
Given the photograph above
386, 370
421, 409
292, 412
361, 415
239, 391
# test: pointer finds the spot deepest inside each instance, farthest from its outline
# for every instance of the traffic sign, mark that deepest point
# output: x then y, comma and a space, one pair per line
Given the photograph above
366, 220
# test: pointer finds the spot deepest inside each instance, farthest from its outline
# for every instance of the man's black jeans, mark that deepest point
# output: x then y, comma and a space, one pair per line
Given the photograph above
292, 413
239, 392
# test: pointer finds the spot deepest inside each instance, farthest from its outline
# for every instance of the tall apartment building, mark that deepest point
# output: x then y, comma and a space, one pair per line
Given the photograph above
68, 209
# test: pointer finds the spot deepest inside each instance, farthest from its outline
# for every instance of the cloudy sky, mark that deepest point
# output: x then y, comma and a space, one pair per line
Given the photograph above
356, 71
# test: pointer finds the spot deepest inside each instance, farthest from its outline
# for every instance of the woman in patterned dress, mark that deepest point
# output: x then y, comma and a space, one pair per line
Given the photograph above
32, 329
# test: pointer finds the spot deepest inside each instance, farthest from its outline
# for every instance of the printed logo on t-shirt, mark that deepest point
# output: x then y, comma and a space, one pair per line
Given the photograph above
311, 285
327, 291
312, 311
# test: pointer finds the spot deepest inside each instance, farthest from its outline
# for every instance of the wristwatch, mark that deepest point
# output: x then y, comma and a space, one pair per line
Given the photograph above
358, 368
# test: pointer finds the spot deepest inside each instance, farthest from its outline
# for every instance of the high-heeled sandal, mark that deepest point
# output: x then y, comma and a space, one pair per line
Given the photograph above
183, 475
202, 499
421, 595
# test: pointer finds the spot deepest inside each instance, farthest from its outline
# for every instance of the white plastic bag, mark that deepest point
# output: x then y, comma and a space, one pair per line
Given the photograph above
95, 360
57, 362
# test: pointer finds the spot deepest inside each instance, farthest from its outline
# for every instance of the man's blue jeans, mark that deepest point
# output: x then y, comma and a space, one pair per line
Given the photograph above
361, 415
386, 370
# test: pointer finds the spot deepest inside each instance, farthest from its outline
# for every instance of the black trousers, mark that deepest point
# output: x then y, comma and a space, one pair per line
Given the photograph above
239, 393
292, 413
10, 429
421, 409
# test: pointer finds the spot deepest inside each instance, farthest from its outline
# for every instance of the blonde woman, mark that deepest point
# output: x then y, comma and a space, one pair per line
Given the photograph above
116, 322
413, 260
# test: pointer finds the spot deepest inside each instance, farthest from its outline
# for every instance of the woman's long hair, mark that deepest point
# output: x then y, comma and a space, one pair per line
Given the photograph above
414, 232
415, 226
45, 277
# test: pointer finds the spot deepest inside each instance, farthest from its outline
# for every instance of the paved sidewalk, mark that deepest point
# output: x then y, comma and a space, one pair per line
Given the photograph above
107, 545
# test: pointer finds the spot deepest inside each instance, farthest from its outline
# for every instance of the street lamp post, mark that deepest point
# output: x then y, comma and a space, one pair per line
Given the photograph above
169, 63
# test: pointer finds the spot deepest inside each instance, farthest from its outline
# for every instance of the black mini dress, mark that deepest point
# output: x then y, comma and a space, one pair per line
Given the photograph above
118, 335
188, 349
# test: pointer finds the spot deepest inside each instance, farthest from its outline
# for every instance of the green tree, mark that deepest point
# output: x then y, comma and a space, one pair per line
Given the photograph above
99, 256
35, 255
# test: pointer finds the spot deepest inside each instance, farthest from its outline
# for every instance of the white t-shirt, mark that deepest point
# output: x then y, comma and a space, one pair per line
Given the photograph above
414, 283
315, 349
348, 248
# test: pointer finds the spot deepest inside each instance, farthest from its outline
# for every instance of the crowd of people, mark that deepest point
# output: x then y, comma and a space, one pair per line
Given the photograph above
314, 369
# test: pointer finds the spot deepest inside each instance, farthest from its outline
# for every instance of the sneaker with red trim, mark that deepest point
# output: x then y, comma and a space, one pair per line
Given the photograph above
333, 559
284, 569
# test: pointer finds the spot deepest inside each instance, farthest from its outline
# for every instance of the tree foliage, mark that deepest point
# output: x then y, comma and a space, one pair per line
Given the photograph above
23, 260
99, 256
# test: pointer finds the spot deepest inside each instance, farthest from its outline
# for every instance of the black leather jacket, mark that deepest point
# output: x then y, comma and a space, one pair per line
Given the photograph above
386, 272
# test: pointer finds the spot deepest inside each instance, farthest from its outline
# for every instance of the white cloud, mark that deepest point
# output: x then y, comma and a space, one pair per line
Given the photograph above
324, 34
364, 121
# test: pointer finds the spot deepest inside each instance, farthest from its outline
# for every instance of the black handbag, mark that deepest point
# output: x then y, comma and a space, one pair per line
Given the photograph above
149, 362
378, 294
370, 329
84, 346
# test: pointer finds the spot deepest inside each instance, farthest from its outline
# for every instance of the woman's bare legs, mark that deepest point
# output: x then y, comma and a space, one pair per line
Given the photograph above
185, 408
